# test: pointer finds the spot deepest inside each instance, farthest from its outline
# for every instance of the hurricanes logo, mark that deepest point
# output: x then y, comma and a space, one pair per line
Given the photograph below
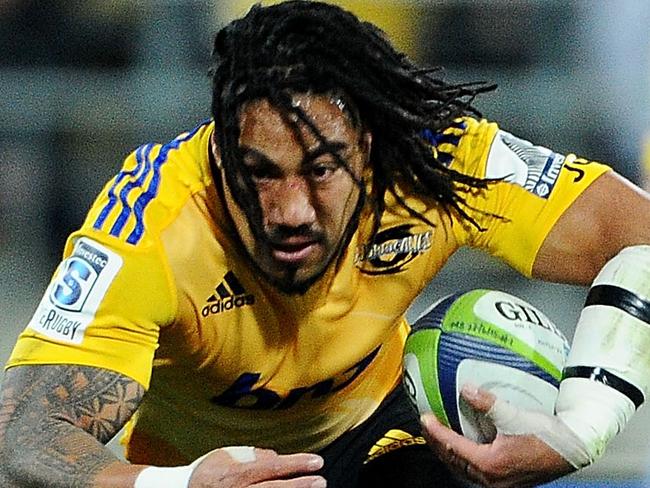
227, 295
392, 249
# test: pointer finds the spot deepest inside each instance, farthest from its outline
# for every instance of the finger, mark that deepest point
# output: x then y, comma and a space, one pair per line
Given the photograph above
450, 445
302, 482
439, 435
269, 465
294, 463
509, 420
480, 399
443, 442
244, 466
266, 457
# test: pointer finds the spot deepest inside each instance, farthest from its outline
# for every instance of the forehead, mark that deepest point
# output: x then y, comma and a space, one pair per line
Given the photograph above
262, 123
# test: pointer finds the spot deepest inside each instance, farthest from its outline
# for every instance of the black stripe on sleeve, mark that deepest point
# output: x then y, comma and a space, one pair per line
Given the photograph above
603, 376
620, 298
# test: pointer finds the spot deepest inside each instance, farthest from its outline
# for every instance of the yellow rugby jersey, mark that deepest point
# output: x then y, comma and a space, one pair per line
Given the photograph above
154, 286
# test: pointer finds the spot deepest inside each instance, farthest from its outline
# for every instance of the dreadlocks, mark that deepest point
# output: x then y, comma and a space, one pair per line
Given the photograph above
304, 46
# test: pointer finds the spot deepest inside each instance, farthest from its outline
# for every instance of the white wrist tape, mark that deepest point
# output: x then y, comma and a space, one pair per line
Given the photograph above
179, 476
511, 420
607, 375
241, 454
153, 476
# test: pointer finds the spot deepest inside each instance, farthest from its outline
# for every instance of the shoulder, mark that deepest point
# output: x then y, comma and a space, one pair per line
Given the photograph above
155, 182
482, 149
464, 145
463, 140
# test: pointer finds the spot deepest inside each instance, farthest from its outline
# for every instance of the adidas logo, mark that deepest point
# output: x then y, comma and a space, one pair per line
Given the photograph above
227, 295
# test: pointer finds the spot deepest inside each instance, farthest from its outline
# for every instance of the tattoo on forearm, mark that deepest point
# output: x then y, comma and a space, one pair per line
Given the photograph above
51, 418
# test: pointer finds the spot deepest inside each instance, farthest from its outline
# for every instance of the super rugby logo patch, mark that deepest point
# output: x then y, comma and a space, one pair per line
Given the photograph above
77, 289
392, 250
535, 168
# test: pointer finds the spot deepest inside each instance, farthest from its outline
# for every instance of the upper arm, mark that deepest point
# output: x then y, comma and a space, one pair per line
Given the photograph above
609, 215
104, 307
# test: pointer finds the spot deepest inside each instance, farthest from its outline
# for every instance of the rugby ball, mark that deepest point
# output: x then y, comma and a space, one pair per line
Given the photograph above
489, 338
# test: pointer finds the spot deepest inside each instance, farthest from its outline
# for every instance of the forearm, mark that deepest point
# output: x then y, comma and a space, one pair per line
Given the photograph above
60, 455
55, 422
607, 376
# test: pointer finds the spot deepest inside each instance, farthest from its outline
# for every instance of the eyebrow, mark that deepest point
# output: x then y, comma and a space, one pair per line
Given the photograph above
333, 148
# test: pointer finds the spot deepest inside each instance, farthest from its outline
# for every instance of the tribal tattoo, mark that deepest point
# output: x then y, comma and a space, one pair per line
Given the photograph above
55, 419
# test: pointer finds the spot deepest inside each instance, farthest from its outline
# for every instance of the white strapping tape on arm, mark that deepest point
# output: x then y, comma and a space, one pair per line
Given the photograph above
607, 375
179, 476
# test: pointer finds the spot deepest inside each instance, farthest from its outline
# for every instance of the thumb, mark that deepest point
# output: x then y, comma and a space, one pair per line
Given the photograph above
511, 420
507, 418
480, 400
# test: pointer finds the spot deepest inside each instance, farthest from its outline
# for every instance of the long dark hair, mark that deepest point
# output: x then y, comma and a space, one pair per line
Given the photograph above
305, 46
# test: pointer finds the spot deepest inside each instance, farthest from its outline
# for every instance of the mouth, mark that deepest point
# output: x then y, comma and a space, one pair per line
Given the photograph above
293, 251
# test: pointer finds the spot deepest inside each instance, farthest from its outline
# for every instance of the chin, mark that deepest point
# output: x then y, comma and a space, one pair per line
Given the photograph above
294, 288
294, 285
291, 281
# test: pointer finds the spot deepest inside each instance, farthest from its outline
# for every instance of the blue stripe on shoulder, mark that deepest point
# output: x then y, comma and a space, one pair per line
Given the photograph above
448, 139
143, 167
445, 158
112, 198
437, 138
145, 162
143, 200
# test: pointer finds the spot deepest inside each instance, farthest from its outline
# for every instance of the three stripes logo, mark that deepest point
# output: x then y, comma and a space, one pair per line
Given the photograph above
227, 295
392, 440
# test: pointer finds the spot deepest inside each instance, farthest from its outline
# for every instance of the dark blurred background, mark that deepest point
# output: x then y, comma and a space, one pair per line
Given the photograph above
83, 83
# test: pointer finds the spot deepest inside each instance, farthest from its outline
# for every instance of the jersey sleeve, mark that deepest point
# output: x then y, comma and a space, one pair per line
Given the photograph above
104, 306
536, 186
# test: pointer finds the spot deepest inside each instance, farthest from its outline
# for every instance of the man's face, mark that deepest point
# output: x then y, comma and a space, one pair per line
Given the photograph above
307, 198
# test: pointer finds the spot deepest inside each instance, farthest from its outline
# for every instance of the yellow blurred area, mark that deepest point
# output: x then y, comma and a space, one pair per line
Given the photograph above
399, 19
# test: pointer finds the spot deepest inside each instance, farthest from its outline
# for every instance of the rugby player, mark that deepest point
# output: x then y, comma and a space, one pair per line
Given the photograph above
236, 296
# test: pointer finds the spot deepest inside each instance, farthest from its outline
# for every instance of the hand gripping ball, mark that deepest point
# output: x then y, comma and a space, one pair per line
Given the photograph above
491, 339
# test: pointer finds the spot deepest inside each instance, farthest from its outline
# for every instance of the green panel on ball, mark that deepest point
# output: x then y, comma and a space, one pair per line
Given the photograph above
461, 318
424, 345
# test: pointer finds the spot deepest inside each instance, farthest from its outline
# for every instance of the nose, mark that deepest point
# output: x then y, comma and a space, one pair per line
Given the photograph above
290, 203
